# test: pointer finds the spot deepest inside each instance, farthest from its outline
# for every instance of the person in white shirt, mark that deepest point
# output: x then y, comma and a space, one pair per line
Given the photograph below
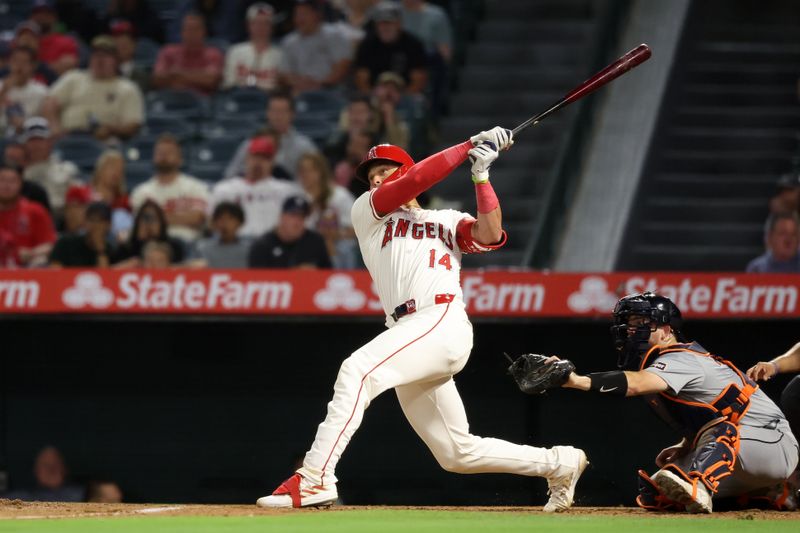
260, 195
21, 96
45, 167
254, 63
183, 198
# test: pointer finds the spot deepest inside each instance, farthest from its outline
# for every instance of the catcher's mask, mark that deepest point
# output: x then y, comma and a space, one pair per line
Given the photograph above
632, 341
381, 154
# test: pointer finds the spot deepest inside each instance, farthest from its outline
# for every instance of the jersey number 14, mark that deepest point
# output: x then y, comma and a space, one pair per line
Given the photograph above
444, 260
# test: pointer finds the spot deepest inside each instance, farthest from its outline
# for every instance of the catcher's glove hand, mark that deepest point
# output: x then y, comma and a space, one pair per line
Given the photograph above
534, 376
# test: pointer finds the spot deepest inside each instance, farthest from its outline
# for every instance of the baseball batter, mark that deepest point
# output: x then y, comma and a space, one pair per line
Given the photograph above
790, 397
736, 441
414, 258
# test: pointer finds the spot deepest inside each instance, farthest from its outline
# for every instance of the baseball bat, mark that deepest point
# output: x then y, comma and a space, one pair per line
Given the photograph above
635, 57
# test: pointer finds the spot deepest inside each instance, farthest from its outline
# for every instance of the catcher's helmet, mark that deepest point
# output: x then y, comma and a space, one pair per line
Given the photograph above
657, 310
384, 153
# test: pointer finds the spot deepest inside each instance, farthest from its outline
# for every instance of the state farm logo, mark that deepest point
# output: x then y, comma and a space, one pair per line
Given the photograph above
593, 295
340, 291
88, 290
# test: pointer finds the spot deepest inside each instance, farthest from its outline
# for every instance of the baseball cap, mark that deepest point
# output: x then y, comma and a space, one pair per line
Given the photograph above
28, 25
387, 11
259, 8
789, 180
262, 146
104, 43
38, 5
121, 27
297, 205
100, 210
391, 77
78, 194
35, 127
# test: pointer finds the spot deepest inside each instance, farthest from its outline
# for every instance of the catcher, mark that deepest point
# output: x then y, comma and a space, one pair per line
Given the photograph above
735, 441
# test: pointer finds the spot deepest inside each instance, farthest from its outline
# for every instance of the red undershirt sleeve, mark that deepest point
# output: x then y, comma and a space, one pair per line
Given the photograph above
419, 178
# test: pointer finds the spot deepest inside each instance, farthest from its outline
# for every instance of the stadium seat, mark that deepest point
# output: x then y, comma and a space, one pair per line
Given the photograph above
221, 127
83, 150
186, 104
137, 172
317, 128
216, 151
322, 104
146, 53
210, 173
160, 123
247, 102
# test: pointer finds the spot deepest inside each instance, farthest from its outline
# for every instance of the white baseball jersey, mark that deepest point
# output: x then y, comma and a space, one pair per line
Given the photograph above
410, 253
261, 201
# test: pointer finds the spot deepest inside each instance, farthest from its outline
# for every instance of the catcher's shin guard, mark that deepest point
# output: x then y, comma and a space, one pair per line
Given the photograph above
713, 458
652, 498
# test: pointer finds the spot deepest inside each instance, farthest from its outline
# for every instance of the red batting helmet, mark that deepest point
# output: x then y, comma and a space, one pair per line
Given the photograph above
384, 153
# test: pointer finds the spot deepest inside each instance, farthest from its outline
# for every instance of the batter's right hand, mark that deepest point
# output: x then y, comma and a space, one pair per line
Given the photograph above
500, 137
762, 371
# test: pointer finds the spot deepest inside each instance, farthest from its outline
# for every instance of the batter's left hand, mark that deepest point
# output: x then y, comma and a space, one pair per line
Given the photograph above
500, 137
482, 157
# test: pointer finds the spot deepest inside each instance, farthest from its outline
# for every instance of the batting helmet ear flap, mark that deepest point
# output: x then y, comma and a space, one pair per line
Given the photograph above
384, 153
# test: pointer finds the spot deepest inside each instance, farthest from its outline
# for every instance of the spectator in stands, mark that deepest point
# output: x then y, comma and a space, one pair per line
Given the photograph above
21, 96
90, 248
103, 491
145, 19
27, 35
305, 67
226, 249
156, 254
358, 145
26, 229
124, 38
221, 18
254, 63
58, 50
330, 209
386, 97
290, 244
291, 143
183, 198
258, 192
77, 199
361, 115
782, 240
15, 155
430, 24
45, 167
96, 100
190, 65
108, 185
356, 19
149, 224
391, 49
51, 475
788, 197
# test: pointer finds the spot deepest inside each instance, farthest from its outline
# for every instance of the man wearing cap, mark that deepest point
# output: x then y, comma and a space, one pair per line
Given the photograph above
317, 55
258, 192
96, 100
386, 96
90, 248
46, 168
291, 244
26, 229
788, 197
254, 63
21, 96
391, 48
183, 198
782, 241
59, 51
191, 64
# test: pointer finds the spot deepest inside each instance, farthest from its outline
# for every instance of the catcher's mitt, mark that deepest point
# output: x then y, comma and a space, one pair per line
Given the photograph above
534, 376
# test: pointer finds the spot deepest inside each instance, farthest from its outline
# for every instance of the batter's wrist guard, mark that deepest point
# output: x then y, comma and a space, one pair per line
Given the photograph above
480, 178
614, 382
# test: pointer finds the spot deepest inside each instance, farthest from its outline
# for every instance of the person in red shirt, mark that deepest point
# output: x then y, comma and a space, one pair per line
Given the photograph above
26, 229
59, 51
191, 64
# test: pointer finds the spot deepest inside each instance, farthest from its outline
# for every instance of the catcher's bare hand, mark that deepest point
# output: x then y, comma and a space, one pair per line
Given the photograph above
536, 374
762, 371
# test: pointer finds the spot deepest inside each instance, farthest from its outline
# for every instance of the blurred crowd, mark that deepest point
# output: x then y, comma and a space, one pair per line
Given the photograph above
223, 135
782, 230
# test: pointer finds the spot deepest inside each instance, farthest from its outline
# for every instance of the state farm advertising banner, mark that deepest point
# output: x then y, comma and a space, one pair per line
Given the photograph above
297, 292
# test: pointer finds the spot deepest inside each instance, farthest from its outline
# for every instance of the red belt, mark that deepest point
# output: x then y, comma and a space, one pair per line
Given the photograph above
410, 306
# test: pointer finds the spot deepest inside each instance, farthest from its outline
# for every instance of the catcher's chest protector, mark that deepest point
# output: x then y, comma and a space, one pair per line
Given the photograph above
689, 416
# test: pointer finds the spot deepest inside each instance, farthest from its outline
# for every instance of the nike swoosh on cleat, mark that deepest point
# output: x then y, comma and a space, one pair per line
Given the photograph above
603, 389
